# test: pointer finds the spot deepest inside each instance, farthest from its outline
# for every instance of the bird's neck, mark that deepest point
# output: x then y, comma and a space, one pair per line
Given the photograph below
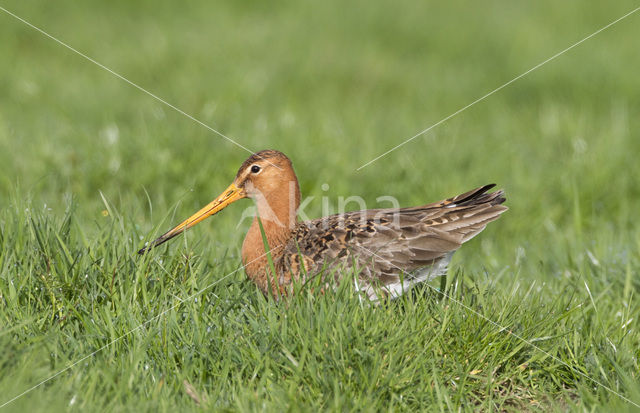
277, 212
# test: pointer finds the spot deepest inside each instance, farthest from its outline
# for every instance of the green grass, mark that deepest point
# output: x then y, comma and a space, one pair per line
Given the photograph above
91, 168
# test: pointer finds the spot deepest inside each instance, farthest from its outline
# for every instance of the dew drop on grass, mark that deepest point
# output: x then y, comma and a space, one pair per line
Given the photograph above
110, 134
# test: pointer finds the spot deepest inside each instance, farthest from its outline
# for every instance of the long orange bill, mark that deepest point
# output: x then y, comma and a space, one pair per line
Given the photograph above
230, 195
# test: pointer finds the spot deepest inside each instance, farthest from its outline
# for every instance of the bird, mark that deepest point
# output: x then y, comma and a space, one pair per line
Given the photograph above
389, 251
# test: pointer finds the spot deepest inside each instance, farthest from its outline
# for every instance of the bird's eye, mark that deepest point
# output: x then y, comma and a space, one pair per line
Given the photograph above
255, 169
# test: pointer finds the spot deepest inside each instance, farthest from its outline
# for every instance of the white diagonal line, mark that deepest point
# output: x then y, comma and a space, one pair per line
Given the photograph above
119, 76
498, 88
524, 340
70, 366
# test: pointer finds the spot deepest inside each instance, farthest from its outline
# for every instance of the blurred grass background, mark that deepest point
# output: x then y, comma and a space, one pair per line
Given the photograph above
332, 85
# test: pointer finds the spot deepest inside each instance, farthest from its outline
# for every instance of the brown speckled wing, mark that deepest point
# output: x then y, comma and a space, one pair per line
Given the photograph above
385, 243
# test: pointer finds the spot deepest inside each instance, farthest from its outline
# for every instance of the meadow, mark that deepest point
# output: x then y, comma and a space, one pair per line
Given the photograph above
538, 313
